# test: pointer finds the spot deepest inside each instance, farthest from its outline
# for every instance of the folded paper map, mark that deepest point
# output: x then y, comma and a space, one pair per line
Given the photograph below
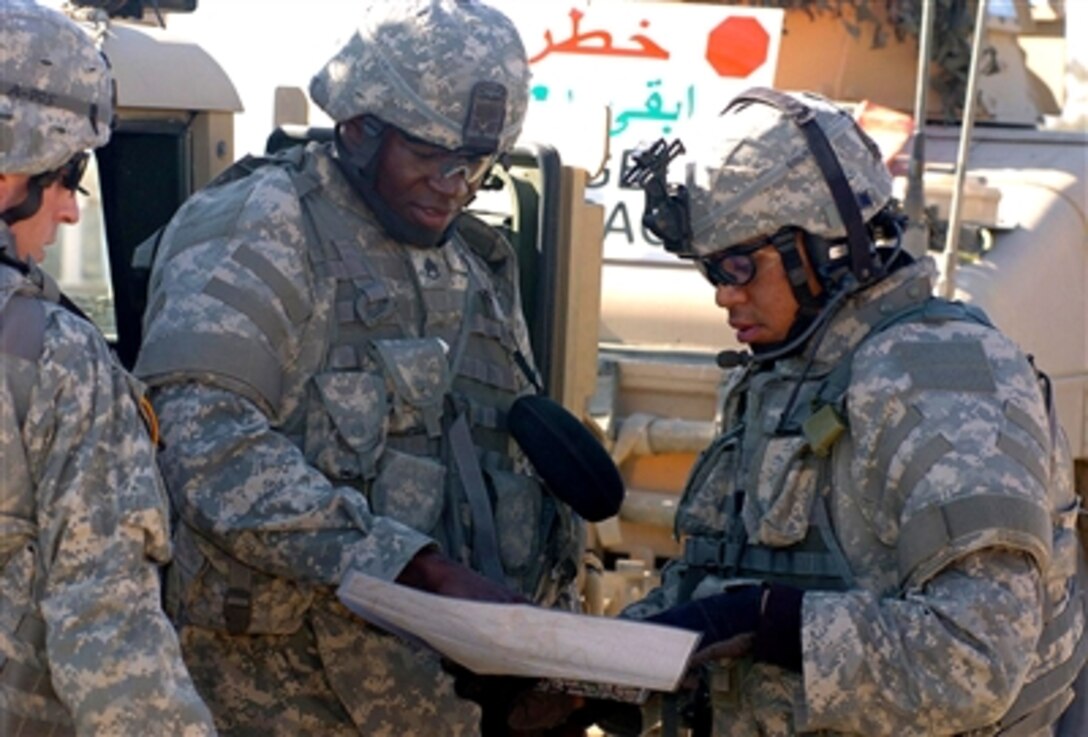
524, 640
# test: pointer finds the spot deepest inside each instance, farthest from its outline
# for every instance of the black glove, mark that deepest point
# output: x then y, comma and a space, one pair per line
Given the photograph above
719, 617
775, 621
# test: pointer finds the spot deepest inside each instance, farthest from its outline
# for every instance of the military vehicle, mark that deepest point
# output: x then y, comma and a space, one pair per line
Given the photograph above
631, 346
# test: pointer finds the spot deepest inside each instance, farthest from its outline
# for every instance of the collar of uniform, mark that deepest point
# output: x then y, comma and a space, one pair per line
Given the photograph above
334, 185
909, 285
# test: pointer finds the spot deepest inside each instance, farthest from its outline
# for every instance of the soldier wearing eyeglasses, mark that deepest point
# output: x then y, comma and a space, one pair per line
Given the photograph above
85, 647
333, 347
882, 540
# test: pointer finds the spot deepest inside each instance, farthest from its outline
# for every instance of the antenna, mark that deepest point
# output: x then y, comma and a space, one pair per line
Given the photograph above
916, 239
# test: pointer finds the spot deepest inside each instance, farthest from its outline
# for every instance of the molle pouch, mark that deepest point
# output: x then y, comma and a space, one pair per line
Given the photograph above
419, 373
781, 491
410, 489
518, 506
712, 478
781, 475
346, 427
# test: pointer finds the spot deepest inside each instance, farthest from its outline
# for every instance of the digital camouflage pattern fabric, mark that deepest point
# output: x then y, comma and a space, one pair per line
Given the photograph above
943, 603
762, 175
414, 64
85, 647
306, 380
56, 94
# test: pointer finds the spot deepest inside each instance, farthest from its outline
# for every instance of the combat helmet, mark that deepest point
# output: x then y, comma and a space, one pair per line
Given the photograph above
56, 95
450, 72
773, 161
778, 169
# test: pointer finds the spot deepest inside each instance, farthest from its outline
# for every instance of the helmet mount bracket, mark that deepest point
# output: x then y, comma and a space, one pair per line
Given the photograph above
667, 213
486, 116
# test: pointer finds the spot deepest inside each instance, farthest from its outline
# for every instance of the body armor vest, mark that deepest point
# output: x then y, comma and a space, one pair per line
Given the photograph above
804, 419
419, 364
424, 327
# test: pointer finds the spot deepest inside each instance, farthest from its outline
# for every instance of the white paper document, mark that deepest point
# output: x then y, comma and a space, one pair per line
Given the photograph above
523, 640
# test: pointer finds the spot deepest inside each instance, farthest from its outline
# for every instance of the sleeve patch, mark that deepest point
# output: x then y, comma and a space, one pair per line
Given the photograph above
959, 366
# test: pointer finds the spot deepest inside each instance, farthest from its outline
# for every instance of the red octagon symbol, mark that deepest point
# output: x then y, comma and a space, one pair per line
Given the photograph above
737, 47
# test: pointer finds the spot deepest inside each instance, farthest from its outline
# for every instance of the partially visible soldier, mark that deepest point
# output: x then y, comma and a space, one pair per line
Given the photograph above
85, 647
333, 348
886, 526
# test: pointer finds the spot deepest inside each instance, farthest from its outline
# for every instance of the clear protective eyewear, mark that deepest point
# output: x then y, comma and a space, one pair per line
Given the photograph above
736, 266
444, 163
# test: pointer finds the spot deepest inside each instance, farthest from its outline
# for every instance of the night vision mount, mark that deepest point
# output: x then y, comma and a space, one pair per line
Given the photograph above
667, 213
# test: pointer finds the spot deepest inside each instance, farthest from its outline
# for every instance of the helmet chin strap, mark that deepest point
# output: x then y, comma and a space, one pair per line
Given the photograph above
813, 309
359, 165
28, 207
810, 303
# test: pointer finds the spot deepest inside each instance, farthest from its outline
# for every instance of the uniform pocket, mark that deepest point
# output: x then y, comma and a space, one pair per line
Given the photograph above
782, 491
702, 510
410, 489
419, 378
518, 505
347, 427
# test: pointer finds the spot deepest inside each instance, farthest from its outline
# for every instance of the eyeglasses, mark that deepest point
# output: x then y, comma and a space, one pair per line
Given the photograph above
69, 174
735, 266
442, 162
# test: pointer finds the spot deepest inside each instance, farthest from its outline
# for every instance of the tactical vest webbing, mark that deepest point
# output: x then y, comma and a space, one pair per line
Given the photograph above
483, 374
463, 421
817, 562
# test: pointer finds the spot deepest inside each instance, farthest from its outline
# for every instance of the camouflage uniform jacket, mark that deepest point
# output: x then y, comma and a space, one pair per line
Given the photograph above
306, 377
935, 539
84, 644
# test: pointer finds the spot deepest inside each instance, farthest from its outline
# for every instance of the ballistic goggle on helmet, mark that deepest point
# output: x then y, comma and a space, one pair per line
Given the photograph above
774, 161
56, 91
448, 73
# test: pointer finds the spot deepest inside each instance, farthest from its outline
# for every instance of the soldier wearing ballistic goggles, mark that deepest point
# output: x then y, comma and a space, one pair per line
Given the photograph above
333, 349
882, 541
85, 647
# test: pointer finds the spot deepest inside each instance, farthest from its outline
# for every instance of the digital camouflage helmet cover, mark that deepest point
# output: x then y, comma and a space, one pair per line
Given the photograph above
450, 72
763, 174
56, 92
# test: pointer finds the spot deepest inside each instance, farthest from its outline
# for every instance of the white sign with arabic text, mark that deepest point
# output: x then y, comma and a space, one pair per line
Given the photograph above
662, 69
